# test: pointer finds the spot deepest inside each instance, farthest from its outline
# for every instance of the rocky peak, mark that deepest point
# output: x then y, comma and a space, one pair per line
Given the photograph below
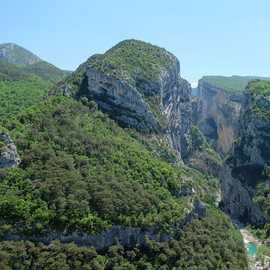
138, 85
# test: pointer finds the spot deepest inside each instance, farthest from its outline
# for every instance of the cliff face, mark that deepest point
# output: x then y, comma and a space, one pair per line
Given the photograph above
120, 100
9, 157
245, 177
220, 112
178, 111
139, 86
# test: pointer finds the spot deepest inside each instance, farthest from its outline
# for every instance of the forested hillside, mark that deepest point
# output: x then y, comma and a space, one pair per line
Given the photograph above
98, 178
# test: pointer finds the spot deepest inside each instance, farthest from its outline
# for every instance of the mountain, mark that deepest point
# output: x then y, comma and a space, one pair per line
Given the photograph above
219, 103
139, 86
233, 114
10, 72
30, 63
107, 161
24, 79
46, 71
17, 55
232, 83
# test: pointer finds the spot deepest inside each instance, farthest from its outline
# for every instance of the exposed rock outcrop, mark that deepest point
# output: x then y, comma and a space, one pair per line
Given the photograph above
9, 157
237, 199
178, 111
144, 91
248, 164
220, 112
120, 100
126, 236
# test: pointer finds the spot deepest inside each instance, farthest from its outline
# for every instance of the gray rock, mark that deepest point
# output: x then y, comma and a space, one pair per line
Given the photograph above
9, 157
219, 112
178, 111
129, 104
120, 100
237, 199
246, 165
126, 236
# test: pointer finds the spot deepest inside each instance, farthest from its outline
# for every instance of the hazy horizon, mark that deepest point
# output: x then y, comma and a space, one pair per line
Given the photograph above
224, 38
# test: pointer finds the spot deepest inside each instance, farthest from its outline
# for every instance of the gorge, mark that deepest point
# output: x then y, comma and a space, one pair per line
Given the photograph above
119, 159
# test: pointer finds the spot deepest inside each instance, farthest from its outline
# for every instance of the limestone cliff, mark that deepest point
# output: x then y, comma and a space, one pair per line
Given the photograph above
139, 86
245, 177
220, 111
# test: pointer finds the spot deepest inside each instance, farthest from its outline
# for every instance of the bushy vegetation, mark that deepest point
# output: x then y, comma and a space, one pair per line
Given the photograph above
17, 95
201, 155
139, 64
208, 244
255, 133
79, 167
260, 93
132, 59
10, 72
261, 198
81, 172
46, 71
21, 87
134, 62
231, 84
76, 82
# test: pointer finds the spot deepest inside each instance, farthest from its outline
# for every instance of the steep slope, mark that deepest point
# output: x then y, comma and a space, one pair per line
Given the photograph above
10, 72
210, 243
220, 99
201, 156
9, 157
245, 178
84, 179
138, 85
17, 55
19, 90
15, 96
220, 111
108, 168
25, 83
46, 71
30, 63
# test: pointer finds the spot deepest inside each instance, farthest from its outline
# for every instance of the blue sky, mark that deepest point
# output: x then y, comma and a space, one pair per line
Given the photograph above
222, 37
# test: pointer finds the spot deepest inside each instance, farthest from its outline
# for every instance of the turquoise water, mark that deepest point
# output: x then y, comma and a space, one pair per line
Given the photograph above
251, 249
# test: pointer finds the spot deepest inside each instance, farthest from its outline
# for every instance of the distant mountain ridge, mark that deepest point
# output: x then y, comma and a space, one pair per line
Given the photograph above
24, 79
233, 83
17, 55
29, 63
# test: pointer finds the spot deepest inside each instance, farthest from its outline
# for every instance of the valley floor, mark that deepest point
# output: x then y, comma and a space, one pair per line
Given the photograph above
248, 238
